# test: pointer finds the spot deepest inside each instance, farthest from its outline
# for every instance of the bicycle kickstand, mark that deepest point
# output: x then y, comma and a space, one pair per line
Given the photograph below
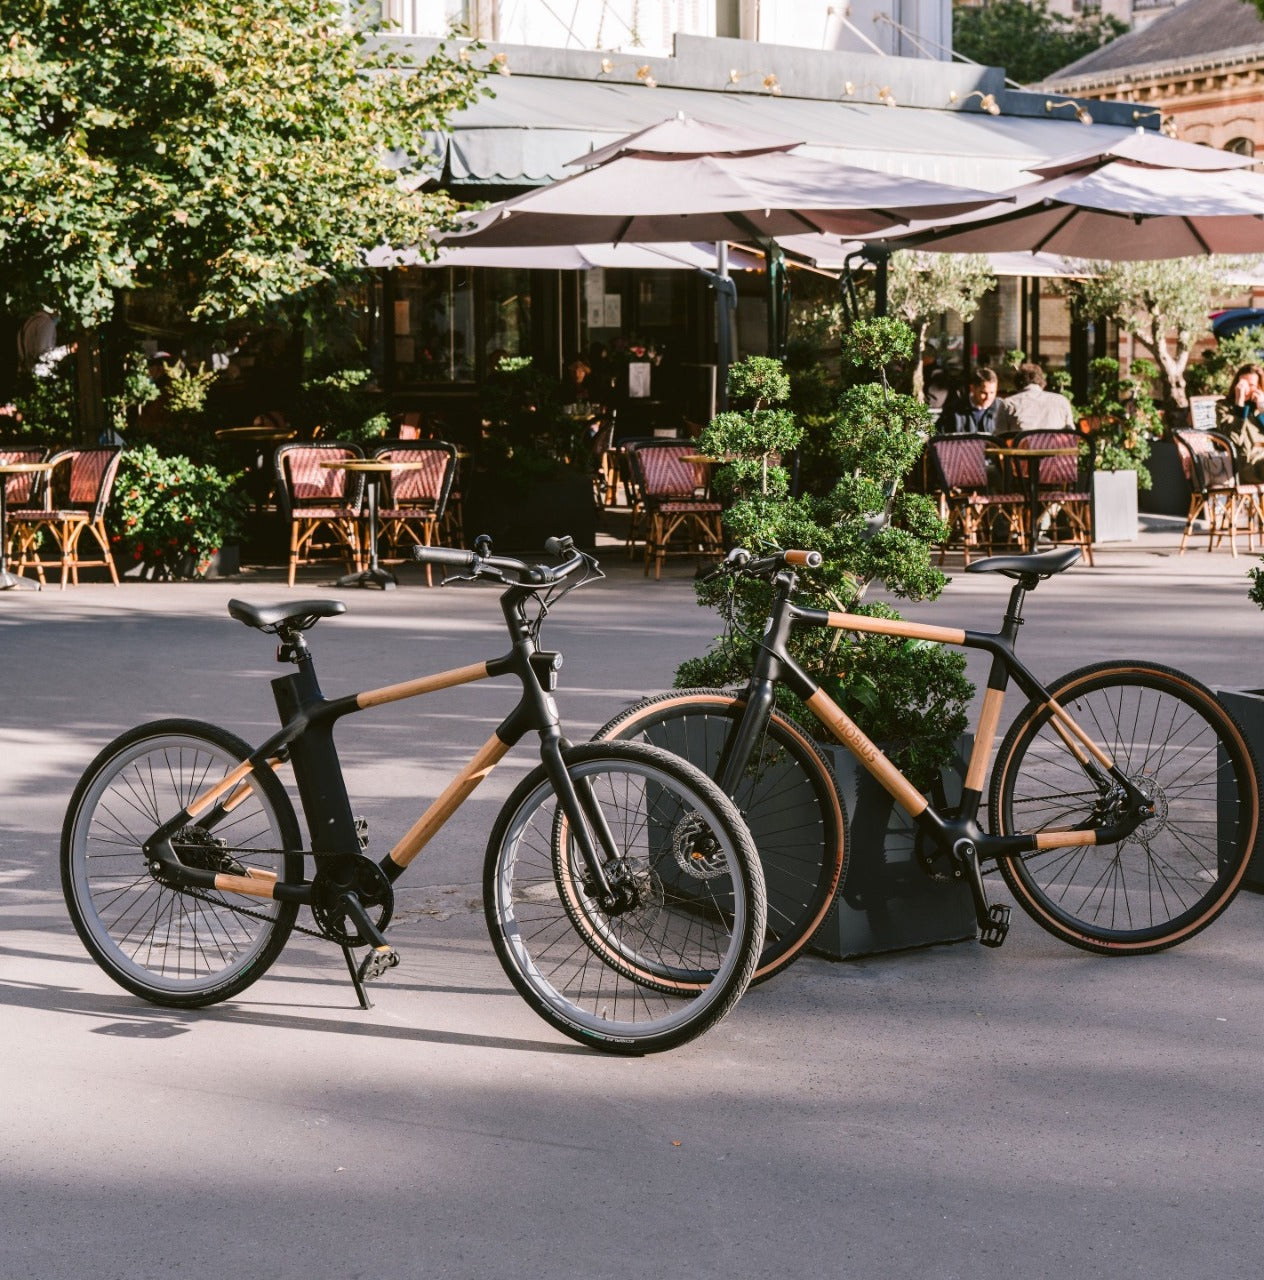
993, 918
381, 955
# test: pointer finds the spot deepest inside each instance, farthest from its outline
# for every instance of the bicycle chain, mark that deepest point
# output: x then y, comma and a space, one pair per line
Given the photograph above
247, 911
250, 911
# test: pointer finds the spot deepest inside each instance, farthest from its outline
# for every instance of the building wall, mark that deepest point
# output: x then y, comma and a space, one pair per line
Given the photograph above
1220, 106
907, 28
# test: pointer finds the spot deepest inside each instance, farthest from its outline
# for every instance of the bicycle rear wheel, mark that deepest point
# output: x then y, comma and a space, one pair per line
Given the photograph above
172, 947
1180, 869
674, 958
786, 795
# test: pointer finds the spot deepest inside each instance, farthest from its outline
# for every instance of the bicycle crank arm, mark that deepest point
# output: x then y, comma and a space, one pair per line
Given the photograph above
992, 918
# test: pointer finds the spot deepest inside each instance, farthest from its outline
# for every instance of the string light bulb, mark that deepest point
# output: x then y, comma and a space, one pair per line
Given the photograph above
987, 101
1081, 113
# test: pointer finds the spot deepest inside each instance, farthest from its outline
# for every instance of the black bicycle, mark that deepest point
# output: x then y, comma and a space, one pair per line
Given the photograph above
1123, 803
621, 889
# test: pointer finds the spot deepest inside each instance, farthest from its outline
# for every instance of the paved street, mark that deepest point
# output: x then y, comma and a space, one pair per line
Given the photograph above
942, 1113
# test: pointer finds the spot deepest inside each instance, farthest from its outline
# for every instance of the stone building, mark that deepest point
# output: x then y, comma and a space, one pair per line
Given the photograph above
1199, 68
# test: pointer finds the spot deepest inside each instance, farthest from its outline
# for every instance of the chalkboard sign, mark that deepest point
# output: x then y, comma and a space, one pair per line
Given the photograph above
1202, 412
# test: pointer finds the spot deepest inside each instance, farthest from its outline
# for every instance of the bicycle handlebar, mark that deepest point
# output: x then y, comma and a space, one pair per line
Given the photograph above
739, 562
479, 564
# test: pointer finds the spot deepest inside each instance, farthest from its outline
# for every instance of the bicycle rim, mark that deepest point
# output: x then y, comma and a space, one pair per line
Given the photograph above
167, 946
1179, 869
661, 971
786, 795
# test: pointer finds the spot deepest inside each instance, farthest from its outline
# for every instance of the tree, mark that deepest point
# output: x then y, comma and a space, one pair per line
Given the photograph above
921, 286
1164, 304
1028, 39
239, 151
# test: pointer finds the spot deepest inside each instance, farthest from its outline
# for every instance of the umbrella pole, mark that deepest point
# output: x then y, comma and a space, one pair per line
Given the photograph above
725, 303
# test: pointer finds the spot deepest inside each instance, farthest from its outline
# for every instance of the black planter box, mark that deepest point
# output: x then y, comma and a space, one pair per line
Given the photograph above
1246, 706
522, 522
888, 902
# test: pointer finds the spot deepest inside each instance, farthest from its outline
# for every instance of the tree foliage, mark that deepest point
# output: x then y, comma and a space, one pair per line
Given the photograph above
240, 150
1028, 39
1165, 304
922, 286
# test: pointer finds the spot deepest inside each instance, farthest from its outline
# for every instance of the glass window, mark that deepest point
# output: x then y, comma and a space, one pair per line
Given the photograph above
432, 326
507, 303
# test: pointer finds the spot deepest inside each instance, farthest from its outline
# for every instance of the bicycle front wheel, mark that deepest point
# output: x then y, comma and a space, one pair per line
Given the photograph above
180, 948
786, 794
1180, 869
674, 956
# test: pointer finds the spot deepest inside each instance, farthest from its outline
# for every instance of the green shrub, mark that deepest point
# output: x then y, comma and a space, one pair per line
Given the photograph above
165, 511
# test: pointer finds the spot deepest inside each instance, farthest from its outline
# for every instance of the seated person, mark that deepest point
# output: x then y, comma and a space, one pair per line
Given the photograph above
1243, 411
976, 412
1031, 407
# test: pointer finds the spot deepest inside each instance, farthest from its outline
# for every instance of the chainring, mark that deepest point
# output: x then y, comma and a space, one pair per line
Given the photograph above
369, 883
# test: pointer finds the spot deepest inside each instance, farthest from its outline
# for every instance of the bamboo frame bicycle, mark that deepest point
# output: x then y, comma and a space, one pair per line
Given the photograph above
621, 889
1123, 804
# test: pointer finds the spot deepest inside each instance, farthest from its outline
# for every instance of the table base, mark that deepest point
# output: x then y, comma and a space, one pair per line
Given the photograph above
373, 576
8, 581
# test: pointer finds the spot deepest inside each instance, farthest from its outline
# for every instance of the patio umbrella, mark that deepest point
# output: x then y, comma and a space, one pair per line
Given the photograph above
685, 179
568, 257
1144, 197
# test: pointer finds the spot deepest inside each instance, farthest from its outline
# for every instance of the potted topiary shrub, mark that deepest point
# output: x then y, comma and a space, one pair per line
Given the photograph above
909, 696
170, 517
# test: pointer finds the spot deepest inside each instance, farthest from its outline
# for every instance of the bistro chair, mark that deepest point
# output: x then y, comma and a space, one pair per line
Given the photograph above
1062, 487
321, 506
22, 492
1216, 494
681, 517
412, 502
973, 512
604, 460
74, 501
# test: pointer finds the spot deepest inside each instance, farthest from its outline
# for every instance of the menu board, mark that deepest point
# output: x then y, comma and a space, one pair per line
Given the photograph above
1202, 412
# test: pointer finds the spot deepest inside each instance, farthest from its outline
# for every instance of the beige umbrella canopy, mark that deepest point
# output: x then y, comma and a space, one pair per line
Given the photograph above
1145, 197
570, 257
685, 179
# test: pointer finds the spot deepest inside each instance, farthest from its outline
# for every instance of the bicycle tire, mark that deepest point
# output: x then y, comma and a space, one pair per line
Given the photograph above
652, 977
170, 947
788, 798
1180, 869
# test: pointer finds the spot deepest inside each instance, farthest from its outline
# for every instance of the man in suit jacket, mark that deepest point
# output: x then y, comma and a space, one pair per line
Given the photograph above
976, 414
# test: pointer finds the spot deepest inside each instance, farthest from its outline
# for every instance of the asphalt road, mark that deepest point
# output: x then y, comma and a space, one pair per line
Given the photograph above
941, 1113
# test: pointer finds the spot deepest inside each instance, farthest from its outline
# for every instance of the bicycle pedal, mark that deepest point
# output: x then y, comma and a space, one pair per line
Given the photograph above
376, 963
995, 932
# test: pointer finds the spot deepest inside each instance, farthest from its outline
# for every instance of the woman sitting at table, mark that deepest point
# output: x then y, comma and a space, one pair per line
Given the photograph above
1243, 411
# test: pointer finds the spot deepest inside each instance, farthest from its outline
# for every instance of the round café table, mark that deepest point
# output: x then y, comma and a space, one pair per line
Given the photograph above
372, 469
1031, 479
10, 580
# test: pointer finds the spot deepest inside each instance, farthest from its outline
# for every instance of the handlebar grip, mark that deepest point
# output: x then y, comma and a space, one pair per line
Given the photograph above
804, 559
453, 557
562, 546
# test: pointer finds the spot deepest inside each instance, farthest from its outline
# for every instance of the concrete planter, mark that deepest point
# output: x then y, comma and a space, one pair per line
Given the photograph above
888, 902
1246, 706
1114, 506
